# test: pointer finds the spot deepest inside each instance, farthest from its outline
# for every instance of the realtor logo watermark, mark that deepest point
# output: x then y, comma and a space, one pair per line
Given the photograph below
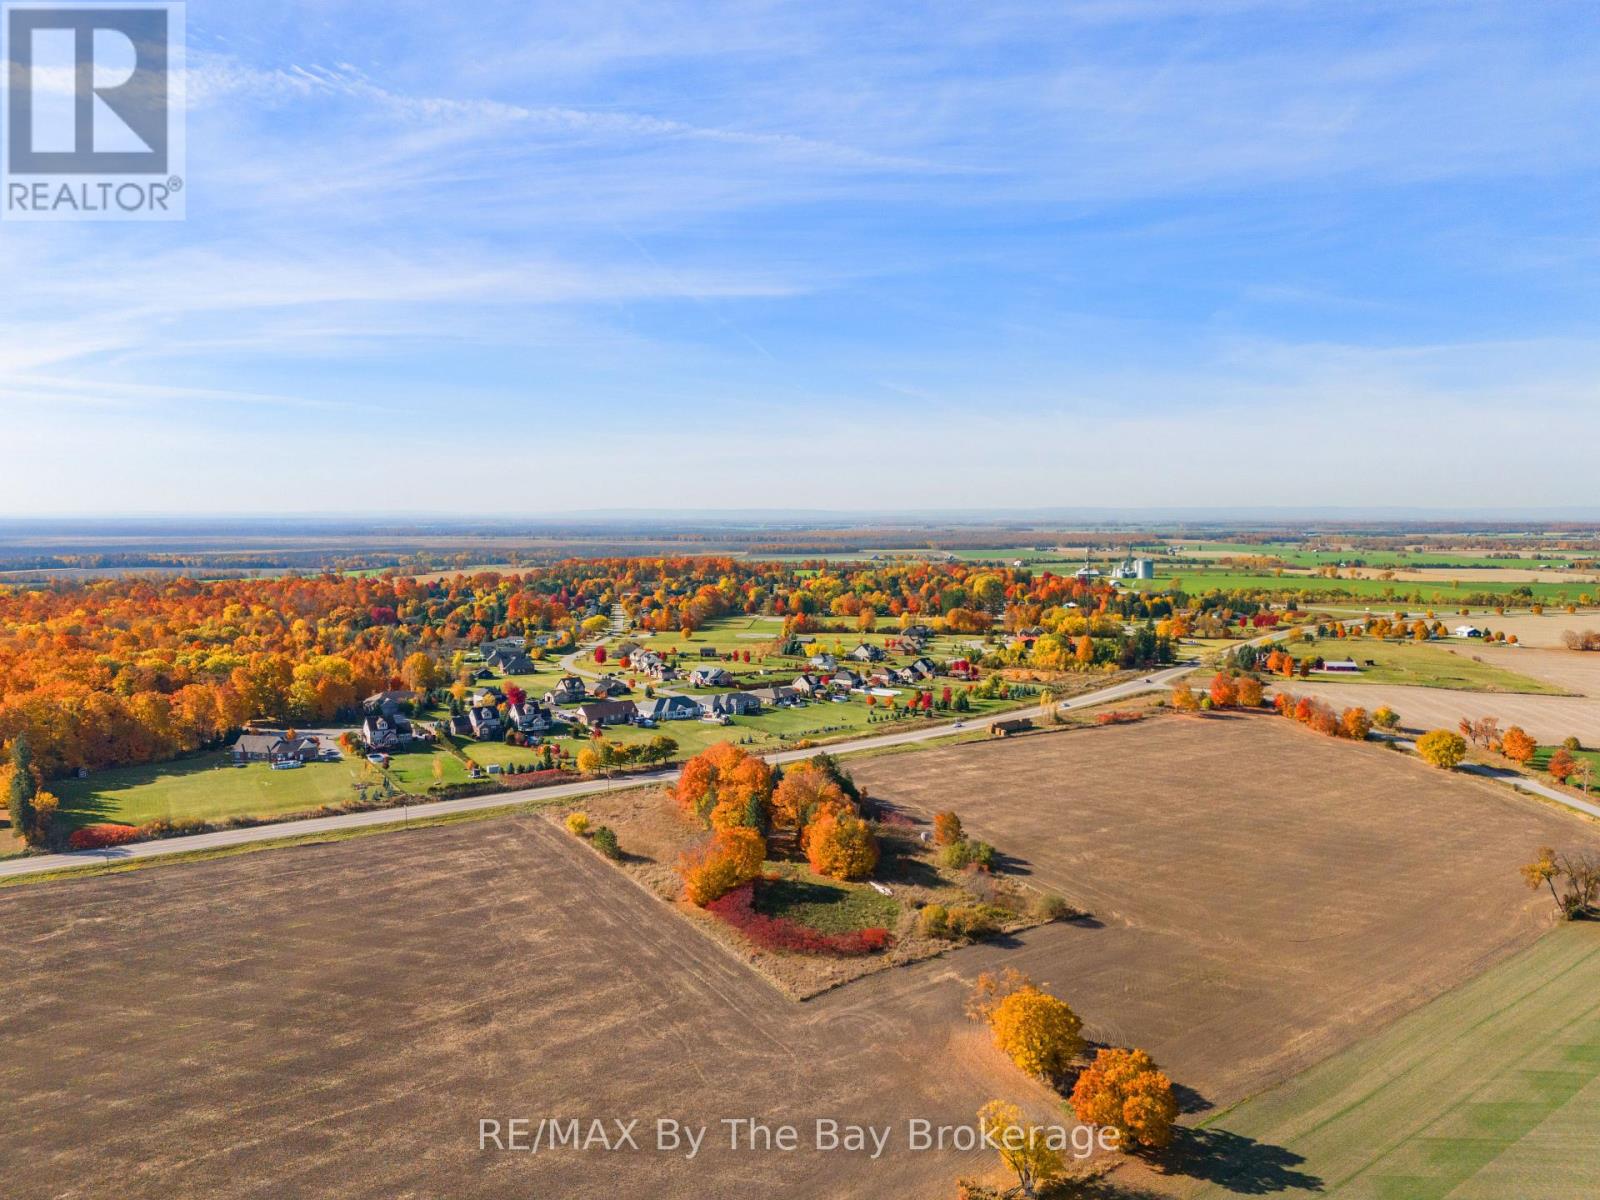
94, 111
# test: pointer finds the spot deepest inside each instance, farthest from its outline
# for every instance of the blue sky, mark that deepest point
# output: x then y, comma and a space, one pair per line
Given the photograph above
522, 258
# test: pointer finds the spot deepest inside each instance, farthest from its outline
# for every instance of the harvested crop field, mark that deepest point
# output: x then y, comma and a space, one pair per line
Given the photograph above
1547, 718
334, 1020
1273, 893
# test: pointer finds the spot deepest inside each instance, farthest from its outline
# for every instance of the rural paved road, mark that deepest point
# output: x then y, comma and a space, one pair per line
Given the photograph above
39, 864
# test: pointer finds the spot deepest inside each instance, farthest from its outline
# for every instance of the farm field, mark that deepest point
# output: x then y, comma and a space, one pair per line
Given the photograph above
371, 999
1491, 1091
1469, 668
1289, 886
1547, 718
1198, 580
204, 787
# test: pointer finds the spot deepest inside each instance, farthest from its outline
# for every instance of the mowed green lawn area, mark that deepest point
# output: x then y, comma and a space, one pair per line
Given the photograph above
1422, 665
1491, 1092
206, 787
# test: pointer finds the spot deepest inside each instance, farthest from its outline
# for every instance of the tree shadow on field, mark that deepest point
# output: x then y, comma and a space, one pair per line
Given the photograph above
1238, 1163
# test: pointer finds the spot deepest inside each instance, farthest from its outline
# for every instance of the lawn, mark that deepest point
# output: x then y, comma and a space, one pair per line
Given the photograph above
413, 772
206, 787
825, 905
1491, 1091
1424, 665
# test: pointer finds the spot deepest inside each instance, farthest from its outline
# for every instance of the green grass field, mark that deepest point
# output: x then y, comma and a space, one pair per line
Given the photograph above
1491, 1092
1420, 665
824, 904
1197, 581
205, 787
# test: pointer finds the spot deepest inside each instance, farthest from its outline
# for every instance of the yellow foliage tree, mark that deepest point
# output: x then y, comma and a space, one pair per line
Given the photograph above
1442, 748
1040, 1033
1026, 1149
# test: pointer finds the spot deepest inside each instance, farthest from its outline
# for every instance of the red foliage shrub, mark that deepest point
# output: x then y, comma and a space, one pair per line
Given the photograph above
98, 837
1121, 716
737, 908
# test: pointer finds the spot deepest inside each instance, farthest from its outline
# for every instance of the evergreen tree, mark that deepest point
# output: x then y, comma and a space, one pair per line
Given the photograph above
23, 788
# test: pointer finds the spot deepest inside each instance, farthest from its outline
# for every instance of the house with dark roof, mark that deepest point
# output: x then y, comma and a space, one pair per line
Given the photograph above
511, 662
569, 691
868, 653
670, 708
775, 697
608, 687
391, 700
808, 685
529, 718
486, 723
607, 712
736, 704
276, 747
710, 677
387, 732
924, 668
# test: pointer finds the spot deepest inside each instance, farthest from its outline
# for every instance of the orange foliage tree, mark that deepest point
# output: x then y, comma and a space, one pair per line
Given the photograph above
1355, 724
1249, 692
805, 791
1122, 1089
947, 829
1224, 691
725, 777
716, 867
840, 845
1517, 745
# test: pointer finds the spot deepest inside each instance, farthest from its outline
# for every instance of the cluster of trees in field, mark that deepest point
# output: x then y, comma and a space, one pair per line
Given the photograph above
1120, 1091
742, 800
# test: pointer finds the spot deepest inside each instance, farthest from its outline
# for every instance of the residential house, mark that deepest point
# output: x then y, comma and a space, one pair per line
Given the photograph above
868, 654
903, 677
485, 722
775, 697
510, 662
276, 747
388, 732
1467, 631
808, 685
924, 668
845, 679
710, 677
735, 704
916, 633
670, 708
609, 687
529, 718
498, 645
826, 663
391, 700
710, 652
569, 691
607, 712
